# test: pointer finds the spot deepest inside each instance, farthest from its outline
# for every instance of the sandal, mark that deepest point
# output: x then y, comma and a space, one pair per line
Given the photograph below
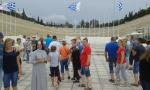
134, 84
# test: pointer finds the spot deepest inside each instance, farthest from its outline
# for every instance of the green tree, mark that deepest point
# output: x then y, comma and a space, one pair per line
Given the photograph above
41, 22
82, 24
38, 19
24, 16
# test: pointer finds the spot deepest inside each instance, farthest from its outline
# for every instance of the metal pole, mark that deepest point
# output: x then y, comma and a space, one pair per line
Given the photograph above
6, 22
99, 25
108, 27
118, 28
114, 19
15, 24
75, 24
2, 16
104, 26
89, 28
10, 22
148, 34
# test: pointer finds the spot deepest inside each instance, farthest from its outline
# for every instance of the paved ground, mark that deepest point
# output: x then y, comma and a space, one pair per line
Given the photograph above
100, 76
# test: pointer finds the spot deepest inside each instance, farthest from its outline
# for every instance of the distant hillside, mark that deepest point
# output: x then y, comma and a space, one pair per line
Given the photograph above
31, 28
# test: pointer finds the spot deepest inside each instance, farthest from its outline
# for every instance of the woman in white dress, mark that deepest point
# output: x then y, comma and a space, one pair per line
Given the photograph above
39, 75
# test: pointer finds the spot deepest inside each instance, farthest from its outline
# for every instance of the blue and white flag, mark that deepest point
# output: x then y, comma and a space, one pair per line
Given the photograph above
120, 5
75, 6
11, 6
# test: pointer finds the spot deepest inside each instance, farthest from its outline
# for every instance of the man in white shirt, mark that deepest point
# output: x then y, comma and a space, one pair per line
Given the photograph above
56, 43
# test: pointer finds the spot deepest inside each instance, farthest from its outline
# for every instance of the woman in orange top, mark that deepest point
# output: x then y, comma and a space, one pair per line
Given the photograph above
64, 59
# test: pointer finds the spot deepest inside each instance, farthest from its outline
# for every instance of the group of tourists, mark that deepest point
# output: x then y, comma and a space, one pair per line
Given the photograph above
129, 54
122, 55
39, 52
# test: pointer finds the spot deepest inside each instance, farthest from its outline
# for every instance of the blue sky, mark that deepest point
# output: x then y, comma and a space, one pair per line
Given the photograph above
56, 10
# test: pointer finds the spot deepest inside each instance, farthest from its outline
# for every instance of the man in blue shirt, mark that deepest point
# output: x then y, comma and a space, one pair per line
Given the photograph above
1, 59
111, 56
48, 40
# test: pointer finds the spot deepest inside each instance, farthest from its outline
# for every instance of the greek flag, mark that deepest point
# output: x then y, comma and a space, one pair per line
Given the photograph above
120, 5
75, 6
11, 6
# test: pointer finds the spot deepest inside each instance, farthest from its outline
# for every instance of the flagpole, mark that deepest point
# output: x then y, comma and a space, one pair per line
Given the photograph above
10, 21
114, 20
7, 22
2, 15
89, 27
95, 27
80, 29
75, 24
15, 20
120, 8
118, 23
75, 7
108, 27
15, 24
84, 28
118, 28
99, 24
104, 26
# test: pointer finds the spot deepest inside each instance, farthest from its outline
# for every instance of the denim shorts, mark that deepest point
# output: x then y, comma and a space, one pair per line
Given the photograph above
54, 71
136, 67
64, 65
1, 77
85, 72
10, 78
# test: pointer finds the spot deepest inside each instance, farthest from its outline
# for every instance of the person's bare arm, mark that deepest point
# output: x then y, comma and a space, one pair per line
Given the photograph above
19, 66
88, 59
88, 62
59, 57
106, 58
106, 54
49, 58
122, 57
40, 61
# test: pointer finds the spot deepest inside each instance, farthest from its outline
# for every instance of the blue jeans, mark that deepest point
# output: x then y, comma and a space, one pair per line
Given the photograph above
136, 67
112, 64
85, 72
27, 55
64, 65
145, 85
10, 77
127, 61
1, 77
